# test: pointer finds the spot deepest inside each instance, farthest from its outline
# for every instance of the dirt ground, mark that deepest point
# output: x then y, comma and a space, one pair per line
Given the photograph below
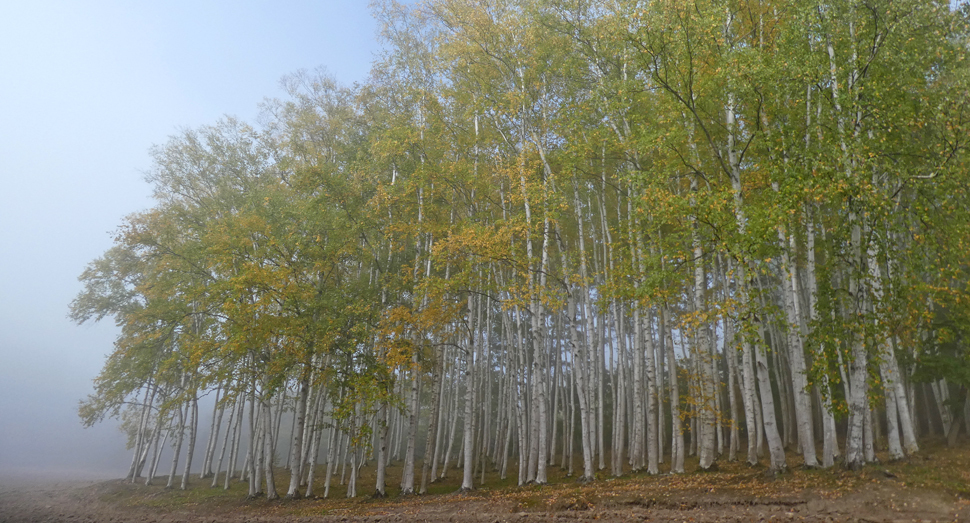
882, 499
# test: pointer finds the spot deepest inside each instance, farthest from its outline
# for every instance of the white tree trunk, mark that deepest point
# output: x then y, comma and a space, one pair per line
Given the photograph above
677, 435
296, 446
829, 442
311, 458
268, 444
469, 418
706, 407
857, 400
636, 440
414, 407
796, 354
579, 359
430, 443
775, 447
178, 446
193, 433
214, 429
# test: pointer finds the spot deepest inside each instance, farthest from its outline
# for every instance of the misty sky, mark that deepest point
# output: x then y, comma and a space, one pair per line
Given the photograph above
86, 87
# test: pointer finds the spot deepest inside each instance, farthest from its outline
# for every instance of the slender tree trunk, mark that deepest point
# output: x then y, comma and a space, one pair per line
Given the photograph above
796, 353
213, 441
442, 421
140, 437
414, 407
677, 434
521, 399
857, 400
453, 420
430, 446
296, 447
193, 433
579, 358
620, 392
653, 451
268, 446
312, 458
706, 407
178, 446
334, 442
469, 443
156, 448
731, 354
776, 449
829, 442
898, 388
236, 441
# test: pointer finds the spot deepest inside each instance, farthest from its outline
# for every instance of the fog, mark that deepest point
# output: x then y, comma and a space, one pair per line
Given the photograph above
87, 88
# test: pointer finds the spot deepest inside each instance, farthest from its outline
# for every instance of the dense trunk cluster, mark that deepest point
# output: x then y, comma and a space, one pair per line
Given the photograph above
604, 235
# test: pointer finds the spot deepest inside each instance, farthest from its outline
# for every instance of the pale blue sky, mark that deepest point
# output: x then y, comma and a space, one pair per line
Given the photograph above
86, 87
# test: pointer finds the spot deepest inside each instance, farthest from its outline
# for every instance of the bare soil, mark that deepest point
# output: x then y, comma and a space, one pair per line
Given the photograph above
924, 488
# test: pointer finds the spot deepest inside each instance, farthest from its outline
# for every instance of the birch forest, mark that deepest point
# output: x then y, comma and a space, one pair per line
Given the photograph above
598, 236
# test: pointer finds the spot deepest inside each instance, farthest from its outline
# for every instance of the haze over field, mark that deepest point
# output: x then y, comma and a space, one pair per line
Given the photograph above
86, 89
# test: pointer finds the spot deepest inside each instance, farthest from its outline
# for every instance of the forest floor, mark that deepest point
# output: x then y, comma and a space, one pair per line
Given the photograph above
933, 485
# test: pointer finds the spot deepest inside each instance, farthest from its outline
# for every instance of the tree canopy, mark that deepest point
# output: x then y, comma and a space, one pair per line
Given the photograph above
690, 225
